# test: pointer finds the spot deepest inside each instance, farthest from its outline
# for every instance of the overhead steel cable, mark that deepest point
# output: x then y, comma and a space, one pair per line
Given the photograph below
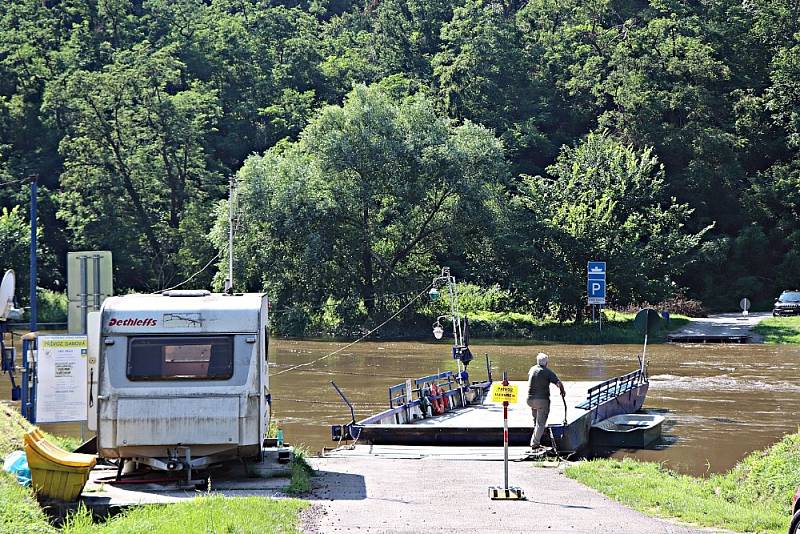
362, 338
190, 278
14, 182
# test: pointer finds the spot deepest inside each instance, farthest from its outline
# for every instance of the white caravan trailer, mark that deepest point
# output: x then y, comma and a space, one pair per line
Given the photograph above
179, 380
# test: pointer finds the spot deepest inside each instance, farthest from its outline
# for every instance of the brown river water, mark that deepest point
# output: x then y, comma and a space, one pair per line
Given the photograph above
720, 401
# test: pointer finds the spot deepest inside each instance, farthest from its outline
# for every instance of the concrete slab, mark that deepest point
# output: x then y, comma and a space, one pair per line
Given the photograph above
490, 414
399, 496
438, 452
722, 325
102, 489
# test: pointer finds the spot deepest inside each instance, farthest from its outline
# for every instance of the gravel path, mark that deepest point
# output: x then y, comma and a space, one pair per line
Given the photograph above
398, 496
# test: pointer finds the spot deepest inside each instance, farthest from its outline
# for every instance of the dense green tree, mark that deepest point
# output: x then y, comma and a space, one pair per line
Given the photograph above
133, 115
135, 167
358, 208
15, 242
603, 200
487, 74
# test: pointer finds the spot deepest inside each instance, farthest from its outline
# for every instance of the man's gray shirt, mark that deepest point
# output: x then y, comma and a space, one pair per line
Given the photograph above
539, 380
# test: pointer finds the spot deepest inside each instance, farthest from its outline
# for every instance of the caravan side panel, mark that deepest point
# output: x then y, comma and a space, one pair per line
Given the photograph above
197, 421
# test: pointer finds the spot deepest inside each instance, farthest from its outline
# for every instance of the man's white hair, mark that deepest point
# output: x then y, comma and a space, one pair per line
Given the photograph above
542, 359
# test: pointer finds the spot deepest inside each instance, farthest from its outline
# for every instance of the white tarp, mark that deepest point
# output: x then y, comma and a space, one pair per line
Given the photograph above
61, 372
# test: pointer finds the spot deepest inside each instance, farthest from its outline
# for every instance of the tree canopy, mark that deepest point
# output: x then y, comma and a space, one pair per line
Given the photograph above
361, 206
373, 141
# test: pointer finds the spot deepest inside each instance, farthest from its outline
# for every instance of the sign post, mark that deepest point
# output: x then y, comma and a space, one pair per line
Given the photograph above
505, 393
646, 321
596, 286
744, 304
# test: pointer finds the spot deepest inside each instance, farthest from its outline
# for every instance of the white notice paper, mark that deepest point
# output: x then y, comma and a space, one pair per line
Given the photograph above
61, 372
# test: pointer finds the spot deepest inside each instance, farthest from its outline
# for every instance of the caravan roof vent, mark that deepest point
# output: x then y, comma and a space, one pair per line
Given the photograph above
187, 293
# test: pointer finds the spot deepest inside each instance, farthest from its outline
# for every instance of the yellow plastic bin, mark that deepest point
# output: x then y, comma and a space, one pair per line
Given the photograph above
56, 473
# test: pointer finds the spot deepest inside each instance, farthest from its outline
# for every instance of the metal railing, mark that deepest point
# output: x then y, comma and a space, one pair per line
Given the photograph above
611, 388
399, 394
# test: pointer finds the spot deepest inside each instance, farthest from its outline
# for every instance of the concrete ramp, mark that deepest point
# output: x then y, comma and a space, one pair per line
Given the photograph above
720, 328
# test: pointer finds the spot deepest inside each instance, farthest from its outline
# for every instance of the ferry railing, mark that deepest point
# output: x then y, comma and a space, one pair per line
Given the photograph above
611, 388
400, 396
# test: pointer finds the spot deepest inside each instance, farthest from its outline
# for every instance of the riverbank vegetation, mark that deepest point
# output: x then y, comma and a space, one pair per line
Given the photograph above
617, 327
373, 142
754, 496
20, 513
779, 330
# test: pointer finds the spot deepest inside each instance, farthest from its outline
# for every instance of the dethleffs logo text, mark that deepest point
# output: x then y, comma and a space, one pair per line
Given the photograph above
131, 321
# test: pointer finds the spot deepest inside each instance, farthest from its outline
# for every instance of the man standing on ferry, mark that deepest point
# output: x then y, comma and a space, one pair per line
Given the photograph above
539, 379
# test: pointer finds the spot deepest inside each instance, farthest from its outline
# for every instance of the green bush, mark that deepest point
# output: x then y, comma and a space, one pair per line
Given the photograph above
473, 298
52, 306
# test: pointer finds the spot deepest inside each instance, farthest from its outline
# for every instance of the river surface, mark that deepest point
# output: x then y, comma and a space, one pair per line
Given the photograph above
720, 401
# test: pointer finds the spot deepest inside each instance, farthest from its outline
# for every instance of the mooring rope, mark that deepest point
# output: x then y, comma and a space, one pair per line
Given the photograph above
362, 338
352, 373
329, 403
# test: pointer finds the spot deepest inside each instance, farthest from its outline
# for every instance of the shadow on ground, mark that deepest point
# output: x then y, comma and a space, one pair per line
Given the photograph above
334, 485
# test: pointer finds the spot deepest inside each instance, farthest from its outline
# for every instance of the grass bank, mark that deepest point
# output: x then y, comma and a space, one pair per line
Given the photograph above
20, 513
779, 330
754, 496
203, 515
617, 328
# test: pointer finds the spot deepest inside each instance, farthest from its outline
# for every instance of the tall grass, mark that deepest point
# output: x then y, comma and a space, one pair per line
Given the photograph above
779, 330
19, 511
754, 496
301, 474
201, 515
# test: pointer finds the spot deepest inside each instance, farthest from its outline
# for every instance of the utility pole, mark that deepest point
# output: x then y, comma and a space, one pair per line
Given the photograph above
229, 281
34, 178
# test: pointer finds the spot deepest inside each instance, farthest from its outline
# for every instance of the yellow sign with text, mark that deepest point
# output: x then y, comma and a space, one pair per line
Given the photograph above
501, 393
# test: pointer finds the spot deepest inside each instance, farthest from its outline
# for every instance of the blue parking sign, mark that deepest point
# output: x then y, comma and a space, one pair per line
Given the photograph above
596, 282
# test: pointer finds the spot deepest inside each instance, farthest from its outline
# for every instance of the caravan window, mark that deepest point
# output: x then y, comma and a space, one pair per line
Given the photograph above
180, 358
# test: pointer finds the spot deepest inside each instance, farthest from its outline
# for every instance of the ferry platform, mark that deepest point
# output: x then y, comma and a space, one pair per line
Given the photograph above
482, 424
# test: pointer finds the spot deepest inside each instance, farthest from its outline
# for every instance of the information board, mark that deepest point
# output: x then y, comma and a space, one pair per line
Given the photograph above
61, 376
501, 393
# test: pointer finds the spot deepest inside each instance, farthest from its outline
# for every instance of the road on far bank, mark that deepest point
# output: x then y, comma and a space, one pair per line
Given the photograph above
402, 495
725, 324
